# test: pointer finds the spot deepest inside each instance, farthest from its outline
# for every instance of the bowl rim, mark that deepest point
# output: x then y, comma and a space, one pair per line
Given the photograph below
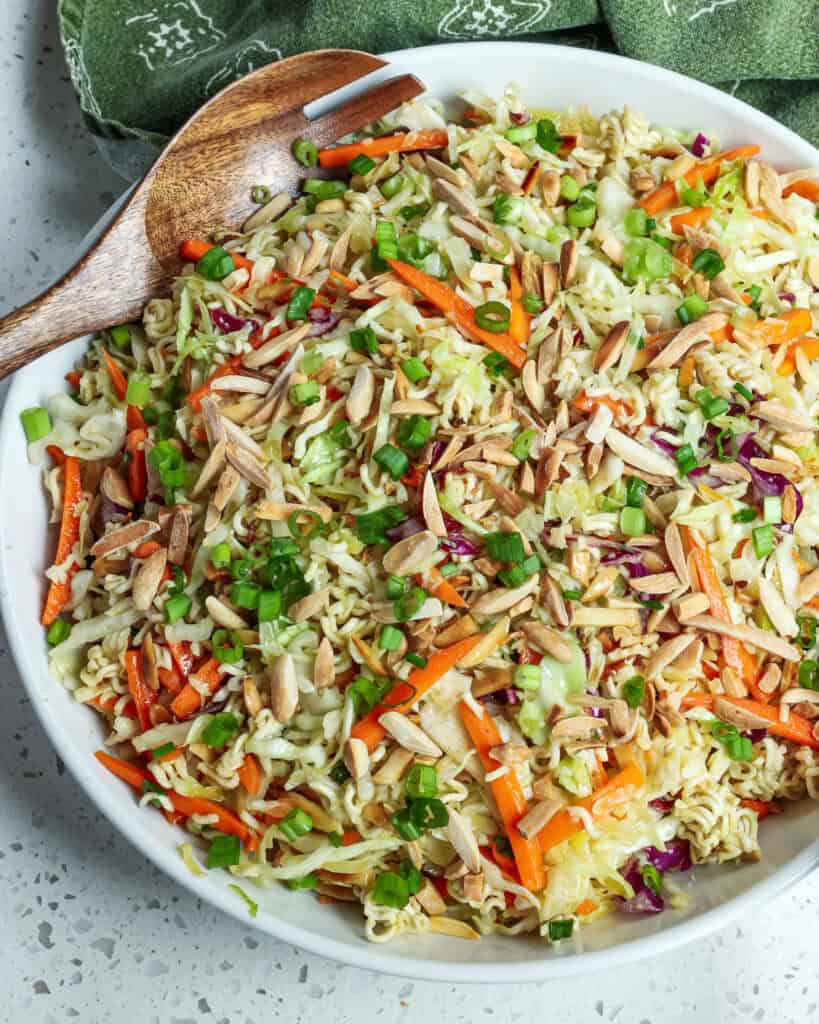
352, 952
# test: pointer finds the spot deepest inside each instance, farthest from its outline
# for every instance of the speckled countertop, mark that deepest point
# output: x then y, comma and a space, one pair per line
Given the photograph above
90, 928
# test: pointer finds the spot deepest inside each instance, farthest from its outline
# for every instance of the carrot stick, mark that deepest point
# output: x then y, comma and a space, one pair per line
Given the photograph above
602, 802
229, 366
797, 729
403, 696
347, 283
762, 807
250, 775
519, 319
137, 468
452, 305
143, 696
189, 699
57, 454
136, 776
806, 189
808, 346
60, 593
350, 837
734, 654
692, 219
586, 907
193, 250
171, 679
787, 326
181, 654
404, 142
509, 798
665, 195
585, 403
74, 378
439, 586
134, 420
118, 381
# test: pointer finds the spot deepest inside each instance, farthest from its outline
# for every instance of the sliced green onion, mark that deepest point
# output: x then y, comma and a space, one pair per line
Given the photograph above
496, 364
636, 222
364, 693
304, 525
755, 292
338, 773
335, 839
505, 546
652, 878
245, 595
396, 587
809, 674
58, 631
413, 248
507, 209
139, 388
569, 188
312, 363
392, 460
771, 509
527, 677
548, 137
390, 638
572, 594
216, 264
361, 164
413, 432
121, 336
691, 309
709, 263
493, 317
260, 194
371, 527
560, 928
391, 890
521, 132
742, 390
634, 691
429, 812
411, 212
533, 304
226, 647
392, 186
727, 447
518, 574
522, 444
305, 152
300, 301
296, 824
632, 522
415, 659
404, 825
410, 603
223, 852
686, 459
496, 243
36, 422
414, 370
807, 631
363, 339
270, 605
307, 393
635, 492
177, 607
158, 752
710, 405
745, 515
739, 747
305, 882
581, 214
221, 729
763, 540
241, 568
323, 188
421, 781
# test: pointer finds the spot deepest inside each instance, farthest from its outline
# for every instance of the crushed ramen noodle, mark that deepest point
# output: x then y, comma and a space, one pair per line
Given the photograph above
445, 542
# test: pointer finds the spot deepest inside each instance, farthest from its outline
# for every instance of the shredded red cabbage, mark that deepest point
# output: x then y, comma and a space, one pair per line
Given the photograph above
457, 544
662, 805
228, 323
407, 528
699, 144
644, 900
520, 116
787, 297
663, 445
322, 321
675, 857
764, 483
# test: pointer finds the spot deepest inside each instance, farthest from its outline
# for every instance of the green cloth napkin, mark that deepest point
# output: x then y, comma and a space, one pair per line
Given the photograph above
140, 67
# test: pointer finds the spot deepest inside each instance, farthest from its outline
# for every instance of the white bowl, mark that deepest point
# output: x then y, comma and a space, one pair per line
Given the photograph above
554, 77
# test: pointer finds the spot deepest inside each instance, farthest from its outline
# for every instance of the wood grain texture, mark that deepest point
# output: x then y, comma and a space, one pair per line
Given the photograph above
201, 181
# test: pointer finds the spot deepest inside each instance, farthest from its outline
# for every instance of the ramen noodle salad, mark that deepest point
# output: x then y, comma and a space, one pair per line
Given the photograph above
446, 542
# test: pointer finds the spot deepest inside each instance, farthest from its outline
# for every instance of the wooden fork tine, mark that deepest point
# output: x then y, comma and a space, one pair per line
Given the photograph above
363, 109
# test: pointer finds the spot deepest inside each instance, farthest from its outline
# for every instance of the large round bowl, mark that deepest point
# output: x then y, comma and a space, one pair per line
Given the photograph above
553, 77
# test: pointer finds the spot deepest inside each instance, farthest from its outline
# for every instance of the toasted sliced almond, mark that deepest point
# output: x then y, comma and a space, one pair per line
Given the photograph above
413, 407
770, 192
412, 554
760, 638
782, 418
284, 690
392, 770
276, 346
252, 697
676, 552
775, 608
489, 642
751, 182
113, 487
771, 678
408, 734
460, 834
687, 336
656, 583
668, 652
583, 615
555, 602
611, 349
178, 542
225, 487
808, 587
575, 726
738, 716
241, 384
249, 467
123, 537
685, 608
511, 753
222, 615
457, 199
551, 277
538, 817
368, 656
459, 630
568, 262
309, 606
430, 508
491, 680
532, 387
149, 666
213, 466
507, 500
361, 395
324, 666
548, 640
502, 599
356, 757
598, 426
637, 455
147, 579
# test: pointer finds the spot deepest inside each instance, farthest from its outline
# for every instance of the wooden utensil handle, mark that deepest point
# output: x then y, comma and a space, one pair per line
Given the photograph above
107, 286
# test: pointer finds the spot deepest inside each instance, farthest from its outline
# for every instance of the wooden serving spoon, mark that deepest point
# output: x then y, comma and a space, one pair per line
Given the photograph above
202, 181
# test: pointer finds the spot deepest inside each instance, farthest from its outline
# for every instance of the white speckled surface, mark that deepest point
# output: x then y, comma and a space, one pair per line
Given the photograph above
91, 928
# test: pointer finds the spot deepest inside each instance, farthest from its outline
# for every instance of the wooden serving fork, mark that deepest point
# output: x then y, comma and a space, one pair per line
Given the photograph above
202, 181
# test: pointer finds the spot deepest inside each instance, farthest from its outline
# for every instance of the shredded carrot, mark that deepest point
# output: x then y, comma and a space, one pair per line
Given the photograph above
349, 837
797, 729
60, 593
806, 189
147, 548
404, 696
586, 907
439, 586
665, 195
136, 777
134, 420
452, 305
734, 654
808, 346
230, 365
347, 283
691, 218
602, 802
137, 467
74, 378
787, 326
57, 454
193, 250
684, 253
404, 142
182, 656
761, 214
170, 679
531, 179
762, 807
519, 319
118, 381
189, 699
588, 403
509, 798
143, 696
250, 775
